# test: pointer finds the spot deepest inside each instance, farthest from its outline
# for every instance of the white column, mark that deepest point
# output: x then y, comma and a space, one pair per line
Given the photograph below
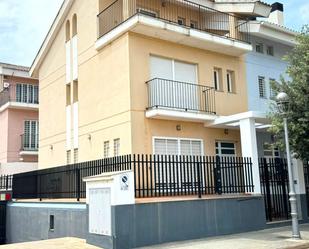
249, 149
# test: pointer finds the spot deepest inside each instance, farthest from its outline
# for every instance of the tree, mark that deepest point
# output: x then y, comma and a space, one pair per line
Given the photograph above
297, 88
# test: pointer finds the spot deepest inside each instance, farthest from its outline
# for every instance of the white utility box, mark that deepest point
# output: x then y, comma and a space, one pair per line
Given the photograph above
104, 191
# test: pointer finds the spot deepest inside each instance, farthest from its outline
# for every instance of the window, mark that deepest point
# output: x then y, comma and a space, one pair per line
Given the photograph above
217, 79
270, 50
68, 94
148, 12
75, 155
67, 31
26, 93
75, 91
74, 25
230, 75
31, 135
262, 87
193, 24
181, 21
51, 222
68, 157
172, 70
259, 48
178, 146
117, 147
226, 149
272, 92
270, 151
106, 149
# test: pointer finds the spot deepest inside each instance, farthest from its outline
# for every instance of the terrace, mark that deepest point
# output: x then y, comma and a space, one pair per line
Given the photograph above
179, 21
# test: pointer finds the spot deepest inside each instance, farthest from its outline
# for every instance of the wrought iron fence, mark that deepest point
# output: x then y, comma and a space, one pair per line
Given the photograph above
6, 182
180, 12
155, 176
274, 187
180, 95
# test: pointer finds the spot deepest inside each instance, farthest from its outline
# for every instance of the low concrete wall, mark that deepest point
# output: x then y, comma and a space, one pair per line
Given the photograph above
30, 221
154, 223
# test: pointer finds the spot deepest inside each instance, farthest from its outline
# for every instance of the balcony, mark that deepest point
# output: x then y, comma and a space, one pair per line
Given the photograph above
29, 144
20, 96
175, 100
178, 21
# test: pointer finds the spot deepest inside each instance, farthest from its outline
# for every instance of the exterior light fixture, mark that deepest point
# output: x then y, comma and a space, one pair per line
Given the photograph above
283, 101
51, 147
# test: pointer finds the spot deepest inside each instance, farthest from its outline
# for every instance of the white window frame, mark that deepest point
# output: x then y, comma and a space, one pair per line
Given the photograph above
229, 81
36, 135
220, 148
28, 91
116, 153
178, 143
106, 149
262, 94
271, 91
216, 75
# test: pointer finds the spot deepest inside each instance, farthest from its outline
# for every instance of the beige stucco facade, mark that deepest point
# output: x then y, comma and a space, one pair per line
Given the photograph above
112, 94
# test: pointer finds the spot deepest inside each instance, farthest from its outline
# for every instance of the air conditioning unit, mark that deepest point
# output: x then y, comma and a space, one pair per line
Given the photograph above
6, 85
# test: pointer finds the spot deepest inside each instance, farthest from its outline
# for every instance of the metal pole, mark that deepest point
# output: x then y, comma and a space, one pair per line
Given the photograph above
295, 227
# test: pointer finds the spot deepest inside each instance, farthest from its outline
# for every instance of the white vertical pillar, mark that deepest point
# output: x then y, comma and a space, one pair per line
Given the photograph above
249, 149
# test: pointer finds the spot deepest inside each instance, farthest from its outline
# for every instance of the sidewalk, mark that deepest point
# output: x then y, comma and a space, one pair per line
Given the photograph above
276, 238
63, 243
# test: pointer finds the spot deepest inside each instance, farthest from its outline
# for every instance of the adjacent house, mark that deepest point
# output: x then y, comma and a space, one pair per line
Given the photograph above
271, 41
19, 114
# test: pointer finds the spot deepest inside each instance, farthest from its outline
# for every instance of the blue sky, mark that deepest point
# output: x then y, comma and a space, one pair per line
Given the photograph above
25, 23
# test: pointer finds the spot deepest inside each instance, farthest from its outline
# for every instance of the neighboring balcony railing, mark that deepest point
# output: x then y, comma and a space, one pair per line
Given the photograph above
21, 93
180, 12
176, 95
29, 142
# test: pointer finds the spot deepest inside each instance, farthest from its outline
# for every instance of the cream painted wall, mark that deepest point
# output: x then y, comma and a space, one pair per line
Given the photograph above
113, 93
144, 129
141, 47
104, 102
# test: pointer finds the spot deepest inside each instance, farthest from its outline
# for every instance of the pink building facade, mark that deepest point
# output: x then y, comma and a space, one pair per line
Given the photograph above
19, 115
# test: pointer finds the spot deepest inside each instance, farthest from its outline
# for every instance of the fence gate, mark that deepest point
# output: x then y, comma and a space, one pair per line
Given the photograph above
274, 187
2, 222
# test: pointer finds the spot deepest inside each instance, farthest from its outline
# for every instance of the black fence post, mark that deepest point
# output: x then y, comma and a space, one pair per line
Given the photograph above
199, 178
217, 176
7, 183
78, 184
267, 188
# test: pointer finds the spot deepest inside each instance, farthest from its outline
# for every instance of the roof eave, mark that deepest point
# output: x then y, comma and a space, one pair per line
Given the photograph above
255, 9
274, 32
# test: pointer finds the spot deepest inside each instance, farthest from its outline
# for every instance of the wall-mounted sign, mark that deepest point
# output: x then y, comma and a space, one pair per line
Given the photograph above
124, 182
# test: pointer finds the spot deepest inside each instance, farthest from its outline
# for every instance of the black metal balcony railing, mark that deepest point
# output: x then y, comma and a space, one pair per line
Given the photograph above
180, 12
29, 142
163, 93
21, 93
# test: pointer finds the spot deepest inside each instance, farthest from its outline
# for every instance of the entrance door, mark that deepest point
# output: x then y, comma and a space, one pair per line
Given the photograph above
174, 85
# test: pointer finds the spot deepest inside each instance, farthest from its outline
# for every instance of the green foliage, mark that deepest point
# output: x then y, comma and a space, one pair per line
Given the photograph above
297, 88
